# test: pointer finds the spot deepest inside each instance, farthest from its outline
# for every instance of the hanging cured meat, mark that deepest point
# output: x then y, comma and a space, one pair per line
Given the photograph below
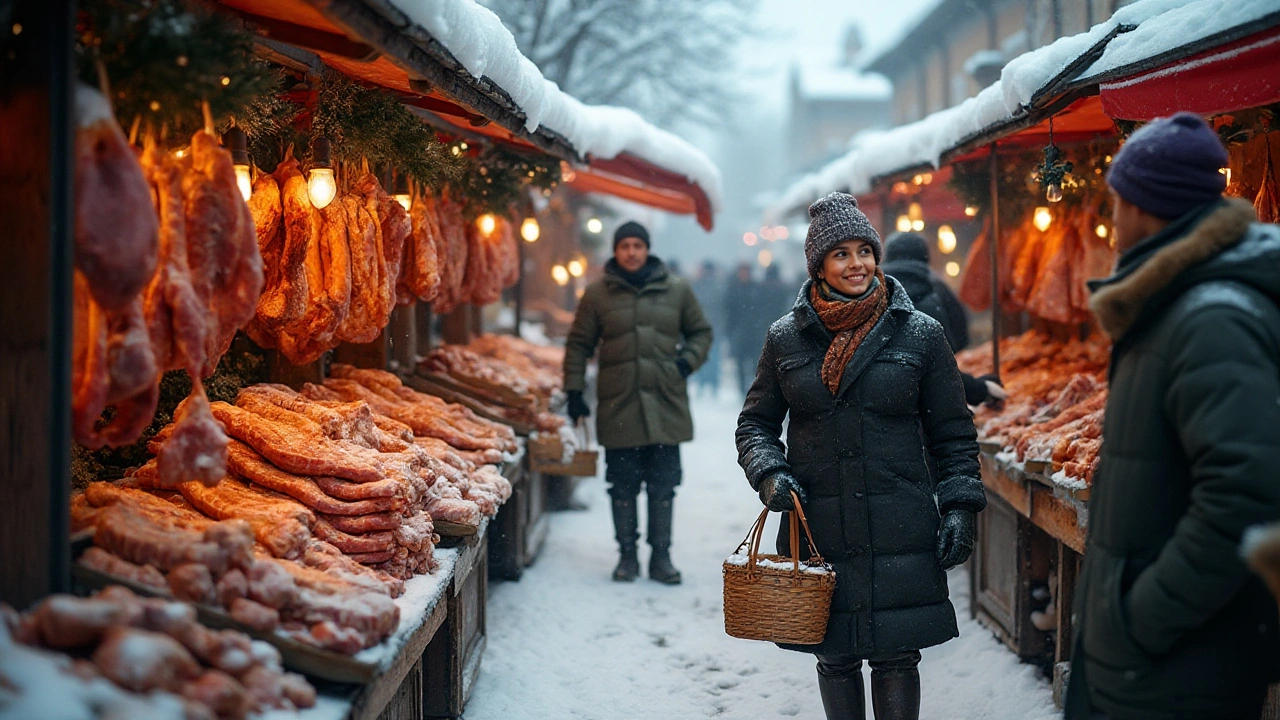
371, 297
420, 274
452, 257
1050, 296
1267, 203
975, 282
395, 229
115, 231
486, 265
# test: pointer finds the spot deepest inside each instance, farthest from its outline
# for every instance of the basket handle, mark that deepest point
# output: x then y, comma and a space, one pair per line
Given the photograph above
797, 520
584, 433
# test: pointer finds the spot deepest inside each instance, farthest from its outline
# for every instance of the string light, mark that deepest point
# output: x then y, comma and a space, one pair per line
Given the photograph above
321, 186
1042, 218
781, 233
487, 223
1053, 193
405, 200
529, 230
225, 81
971, 210
765, 258
750, 238
560, 274
917, 225
953, 269
594, 226
915, 212
903, 224
566, 172
1101, 231
577, 268
946, 239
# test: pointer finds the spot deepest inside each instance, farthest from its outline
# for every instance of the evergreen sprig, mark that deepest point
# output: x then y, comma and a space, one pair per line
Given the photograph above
496, 177
165, 58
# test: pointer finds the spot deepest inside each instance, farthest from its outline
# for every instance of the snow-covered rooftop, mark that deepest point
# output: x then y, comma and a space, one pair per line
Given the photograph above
1161, 25
827, 82
484, 46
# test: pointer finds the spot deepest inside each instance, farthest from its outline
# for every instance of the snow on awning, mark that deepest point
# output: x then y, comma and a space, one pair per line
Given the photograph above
455, 60
482, 44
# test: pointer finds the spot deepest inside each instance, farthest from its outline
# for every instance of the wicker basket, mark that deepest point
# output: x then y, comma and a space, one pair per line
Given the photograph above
755, 593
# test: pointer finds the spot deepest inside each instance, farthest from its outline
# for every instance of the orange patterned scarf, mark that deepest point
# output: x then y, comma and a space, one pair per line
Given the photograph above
850, 321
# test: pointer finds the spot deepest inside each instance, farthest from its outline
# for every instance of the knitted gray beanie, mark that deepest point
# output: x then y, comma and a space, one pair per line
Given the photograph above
832, 220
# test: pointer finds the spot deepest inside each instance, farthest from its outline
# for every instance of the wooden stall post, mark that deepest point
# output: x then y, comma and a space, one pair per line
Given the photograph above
423, 316
519, 292
456, 326
35, 294
368, 355
280, 370
993, 247
402, 334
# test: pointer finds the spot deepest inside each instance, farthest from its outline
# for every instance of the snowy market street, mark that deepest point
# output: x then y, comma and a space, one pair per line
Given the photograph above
567, 642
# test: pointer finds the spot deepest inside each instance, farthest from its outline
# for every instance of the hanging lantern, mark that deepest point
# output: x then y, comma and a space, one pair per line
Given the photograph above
1053, 171
237, 143
322, 188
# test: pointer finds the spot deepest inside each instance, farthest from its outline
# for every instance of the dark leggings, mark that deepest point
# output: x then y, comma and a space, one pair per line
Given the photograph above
843, 666
655, 467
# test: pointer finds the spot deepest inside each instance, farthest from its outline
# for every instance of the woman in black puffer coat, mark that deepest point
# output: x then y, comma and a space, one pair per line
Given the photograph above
882, 451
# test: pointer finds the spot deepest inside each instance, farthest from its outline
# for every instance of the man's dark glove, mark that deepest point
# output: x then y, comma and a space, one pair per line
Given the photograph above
985, 389
577, 406
955, 537
683, 366
775, 492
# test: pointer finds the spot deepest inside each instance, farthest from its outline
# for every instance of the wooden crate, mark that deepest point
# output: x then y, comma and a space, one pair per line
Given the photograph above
537, 521
1010, 558
452, 659
507, 531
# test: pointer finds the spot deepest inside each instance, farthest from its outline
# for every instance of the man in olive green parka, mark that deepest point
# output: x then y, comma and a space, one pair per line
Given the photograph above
652, 336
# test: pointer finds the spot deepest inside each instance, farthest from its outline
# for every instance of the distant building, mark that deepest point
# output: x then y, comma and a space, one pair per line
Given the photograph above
830, 103
960, 46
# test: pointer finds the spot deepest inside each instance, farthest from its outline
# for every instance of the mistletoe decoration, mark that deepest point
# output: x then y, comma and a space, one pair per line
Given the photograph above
1053, 172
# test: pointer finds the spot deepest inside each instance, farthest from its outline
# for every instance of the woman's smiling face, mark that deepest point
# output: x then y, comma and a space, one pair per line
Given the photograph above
849, 267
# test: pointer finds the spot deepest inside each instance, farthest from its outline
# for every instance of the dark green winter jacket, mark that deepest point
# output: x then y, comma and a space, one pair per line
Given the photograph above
1170, 623
642, 332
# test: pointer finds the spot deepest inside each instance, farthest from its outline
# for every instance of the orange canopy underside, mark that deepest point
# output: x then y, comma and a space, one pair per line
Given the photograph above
297, 22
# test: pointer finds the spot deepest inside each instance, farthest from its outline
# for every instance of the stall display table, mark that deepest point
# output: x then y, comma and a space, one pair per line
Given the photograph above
451, 662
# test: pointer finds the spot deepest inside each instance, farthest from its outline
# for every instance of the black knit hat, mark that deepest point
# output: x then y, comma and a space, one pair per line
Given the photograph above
832, 220
906, 246
631, 228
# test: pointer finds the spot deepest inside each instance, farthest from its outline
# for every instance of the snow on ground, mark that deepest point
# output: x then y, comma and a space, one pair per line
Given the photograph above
565, 642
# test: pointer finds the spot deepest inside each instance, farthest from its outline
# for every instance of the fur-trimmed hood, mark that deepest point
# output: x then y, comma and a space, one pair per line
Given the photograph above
1199, 255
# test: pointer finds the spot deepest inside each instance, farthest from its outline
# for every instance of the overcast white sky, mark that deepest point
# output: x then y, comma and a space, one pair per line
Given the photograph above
750, 151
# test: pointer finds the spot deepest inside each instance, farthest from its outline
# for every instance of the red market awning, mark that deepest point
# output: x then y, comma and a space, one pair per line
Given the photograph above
1238, 75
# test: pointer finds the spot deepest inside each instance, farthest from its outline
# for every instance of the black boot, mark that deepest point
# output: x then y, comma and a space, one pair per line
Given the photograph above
843, 697
895, 694
626, 527
660, 567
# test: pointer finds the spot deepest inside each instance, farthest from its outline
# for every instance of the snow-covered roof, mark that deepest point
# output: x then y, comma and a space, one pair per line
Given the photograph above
477, 38
1179, 27
876, 153
827, 82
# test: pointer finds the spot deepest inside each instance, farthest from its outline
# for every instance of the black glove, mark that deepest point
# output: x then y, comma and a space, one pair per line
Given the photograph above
775, 492
978, 390
955, 537
577, 406
683, 366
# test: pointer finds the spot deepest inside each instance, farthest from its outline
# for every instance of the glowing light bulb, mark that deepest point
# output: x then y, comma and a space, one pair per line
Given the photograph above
765, 258
946, 239
1053, 193
594, 226
529, 229
904, 224
750, 238
321, 187
953, 269
576, 268
1042, 219
405, 200
766, 233
242, 181
915, 212
971, 210
566, 172
487, 223
1101, 231
917, 225
560, 274
781, 233
1226, 171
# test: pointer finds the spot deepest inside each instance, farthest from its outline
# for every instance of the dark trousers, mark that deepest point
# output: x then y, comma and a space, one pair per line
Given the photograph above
843, 666
656, 468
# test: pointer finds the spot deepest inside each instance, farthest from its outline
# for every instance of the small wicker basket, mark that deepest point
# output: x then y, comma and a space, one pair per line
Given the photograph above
773, 602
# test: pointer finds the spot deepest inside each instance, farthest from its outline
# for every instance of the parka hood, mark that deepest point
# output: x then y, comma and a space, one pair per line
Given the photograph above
1226, 244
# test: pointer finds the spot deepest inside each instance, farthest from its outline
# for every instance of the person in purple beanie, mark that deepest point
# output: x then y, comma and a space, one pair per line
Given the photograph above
1169, 622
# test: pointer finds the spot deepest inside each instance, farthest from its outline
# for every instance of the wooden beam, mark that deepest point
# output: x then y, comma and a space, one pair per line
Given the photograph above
35, 293
309, 38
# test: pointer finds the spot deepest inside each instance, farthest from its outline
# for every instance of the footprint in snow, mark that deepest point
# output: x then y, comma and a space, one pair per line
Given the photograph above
790, 710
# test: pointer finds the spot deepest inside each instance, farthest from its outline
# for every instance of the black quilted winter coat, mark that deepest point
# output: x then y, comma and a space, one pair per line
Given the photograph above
878, 461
